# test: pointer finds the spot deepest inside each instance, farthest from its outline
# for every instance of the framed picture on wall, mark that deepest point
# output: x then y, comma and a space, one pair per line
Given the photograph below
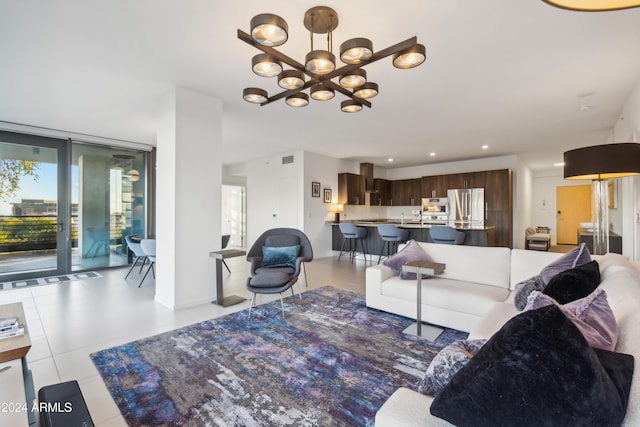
315, 189
327, 195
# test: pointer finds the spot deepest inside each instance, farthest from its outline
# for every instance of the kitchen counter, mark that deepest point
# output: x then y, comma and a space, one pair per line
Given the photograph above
474, 235
417, 224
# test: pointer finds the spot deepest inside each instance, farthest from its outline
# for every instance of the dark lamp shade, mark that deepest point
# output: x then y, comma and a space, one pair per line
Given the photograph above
602, 161
594, 5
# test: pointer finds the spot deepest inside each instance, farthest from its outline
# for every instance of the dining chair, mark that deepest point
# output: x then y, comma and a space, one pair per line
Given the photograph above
149, 248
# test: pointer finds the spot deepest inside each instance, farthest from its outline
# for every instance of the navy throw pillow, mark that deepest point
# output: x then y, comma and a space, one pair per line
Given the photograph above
573, 284
538, 370
280, 256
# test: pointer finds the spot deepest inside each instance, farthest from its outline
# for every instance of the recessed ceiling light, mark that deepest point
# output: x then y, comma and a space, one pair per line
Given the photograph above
432, 154
389, 159
485, 147
558, 164
585, 107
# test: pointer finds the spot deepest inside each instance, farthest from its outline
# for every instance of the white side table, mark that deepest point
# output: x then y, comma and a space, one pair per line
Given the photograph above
430, 269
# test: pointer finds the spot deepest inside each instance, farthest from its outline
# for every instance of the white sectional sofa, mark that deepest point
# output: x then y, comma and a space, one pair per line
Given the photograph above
475, 294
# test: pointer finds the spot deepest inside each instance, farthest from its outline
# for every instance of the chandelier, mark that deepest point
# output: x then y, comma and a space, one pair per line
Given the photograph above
594, 5
319, 69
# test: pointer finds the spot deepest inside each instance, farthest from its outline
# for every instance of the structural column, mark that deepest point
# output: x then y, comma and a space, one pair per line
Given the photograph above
188, 197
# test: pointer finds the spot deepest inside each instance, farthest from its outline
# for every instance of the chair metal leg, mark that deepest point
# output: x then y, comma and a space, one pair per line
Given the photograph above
342, 249
132, 265
384, 243
225, 264
147, 272
306, 284
144, 262
282, 304
364, 250
299, 290
253, 298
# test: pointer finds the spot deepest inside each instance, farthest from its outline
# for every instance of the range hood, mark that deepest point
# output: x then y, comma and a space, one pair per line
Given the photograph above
366, 170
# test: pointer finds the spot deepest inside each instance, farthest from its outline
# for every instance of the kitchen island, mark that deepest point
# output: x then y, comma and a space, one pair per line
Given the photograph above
474, 235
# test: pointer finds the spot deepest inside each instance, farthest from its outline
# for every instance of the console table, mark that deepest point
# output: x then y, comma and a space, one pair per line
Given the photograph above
12, 349
430, 269
219, 256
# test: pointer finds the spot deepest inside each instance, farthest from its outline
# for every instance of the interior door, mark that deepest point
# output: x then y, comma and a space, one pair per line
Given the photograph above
34, 214
573, 207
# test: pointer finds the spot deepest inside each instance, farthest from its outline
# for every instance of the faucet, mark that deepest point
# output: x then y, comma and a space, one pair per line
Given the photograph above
402, 218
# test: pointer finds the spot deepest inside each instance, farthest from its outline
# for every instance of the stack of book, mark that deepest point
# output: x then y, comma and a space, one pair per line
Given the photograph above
9, 327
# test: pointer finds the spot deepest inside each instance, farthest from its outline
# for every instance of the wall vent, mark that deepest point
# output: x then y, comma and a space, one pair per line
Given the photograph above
287, 159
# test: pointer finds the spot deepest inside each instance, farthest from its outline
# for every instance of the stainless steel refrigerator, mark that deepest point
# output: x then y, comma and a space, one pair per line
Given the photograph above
466, 206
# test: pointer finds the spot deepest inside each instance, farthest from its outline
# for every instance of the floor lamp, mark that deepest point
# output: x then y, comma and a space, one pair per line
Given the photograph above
600, 163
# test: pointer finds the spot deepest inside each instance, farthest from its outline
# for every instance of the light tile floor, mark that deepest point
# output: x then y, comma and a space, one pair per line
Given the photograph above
68, 321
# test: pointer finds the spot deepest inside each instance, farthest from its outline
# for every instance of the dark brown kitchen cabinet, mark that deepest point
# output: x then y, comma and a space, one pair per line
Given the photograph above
406, 192
465, 180
381, 194
351, 189
498, 198
434, 186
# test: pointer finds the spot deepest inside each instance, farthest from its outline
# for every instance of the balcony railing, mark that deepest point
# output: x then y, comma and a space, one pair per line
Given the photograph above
38, 232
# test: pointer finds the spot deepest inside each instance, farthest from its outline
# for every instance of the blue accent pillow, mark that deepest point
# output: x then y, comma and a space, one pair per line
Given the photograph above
280, 256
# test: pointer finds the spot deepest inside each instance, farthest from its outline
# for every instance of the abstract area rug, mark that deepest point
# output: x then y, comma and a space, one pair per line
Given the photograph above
331, 361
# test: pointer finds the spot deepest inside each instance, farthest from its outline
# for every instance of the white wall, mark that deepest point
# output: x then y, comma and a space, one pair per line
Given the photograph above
188, 201
627, 129
275, 194
322, 169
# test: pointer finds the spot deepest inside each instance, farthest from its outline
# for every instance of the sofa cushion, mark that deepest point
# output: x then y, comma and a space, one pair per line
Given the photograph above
591, 314
574, 283
454, 295
523, 289
476, 264
410, 252
526, 264
446, 363
572, 259
538, 370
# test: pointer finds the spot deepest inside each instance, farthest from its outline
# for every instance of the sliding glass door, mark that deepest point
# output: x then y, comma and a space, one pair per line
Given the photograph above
109, 201
66, 206
34, 226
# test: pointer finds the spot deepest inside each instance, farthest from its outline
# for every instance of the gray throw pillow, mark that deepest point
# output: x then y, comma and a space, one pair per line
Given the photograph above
446, 363
524, 288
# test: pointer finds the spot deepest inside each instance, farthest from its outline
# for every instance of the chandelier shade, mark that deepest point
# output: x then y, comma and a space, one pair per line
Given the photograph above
320, 92
266, 65
356, 51
410, 58
269, 29
299, 99
254, 95
320, 62
291, 79
354, 78
350, 106
319, 72
594, 5
367, 90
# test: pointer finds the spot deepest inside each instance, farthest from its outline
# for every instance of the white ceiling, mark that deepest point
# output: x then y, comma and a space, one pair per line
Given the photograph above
509, 74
